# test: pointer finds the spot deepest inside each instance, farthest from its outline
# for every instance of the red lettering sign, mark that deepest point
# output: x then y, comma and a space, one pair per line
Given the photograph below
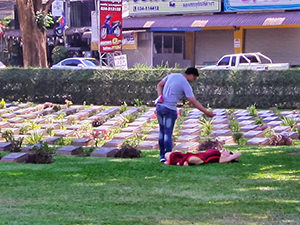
110, 25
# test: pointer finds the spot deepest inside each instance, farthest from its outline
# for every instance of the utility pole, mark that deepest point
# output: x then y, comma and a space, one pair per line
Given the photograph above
68, 13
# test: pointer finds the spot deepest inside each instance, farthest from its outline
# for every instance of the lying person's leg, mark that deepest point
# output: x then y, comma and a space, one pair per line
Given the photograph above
193, 160
227, 157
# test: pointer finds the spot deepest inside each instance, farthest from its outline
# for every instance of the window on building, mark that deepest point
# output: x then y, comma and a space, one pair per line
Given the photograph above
168, 43
158, 44
178, 44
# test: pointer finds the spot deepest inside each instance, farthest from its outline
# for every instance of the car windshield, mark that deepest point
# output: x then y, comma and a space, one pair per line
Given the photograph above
91, 62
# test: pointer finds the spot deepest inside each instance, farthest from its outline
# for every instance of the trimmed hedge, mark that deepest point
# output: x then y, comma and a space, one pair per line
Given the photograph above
220, 89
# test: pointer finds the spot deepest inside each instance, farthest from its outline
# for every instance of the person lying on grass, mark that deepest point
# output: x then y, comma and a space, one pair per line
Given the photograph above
209, 156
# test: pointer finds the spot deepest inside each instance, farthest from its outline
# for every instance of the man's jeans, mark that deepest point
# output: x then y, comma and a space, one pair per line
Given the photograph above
166, 119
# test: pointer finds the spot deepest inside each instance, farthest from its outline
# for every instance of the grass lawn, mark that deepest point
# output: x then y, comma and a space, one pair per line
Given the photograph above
263, 188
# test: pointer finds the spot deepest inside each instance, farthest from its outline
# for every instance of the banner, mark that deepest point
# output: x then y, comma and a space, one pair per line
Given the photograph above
110, 25
252, 5
129, 40
150, 7
57, 8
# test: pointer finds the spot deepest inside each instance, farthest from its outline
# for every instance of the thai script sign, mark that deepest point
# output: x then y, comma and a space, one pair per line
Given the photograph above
251, 5
110, 25
154, 7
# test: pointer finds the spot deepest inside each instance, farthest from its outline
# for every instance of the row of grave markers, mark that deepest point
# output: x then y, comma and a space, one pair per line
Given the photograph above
188, 139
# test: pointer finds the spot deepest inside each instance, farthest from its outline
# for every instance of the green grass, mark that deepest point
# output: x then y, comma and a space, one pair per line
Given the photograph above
263, 188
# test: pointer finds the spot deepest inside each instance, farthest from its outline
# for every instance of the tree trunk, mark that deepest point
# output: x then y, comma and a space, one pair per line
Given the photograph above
33, 39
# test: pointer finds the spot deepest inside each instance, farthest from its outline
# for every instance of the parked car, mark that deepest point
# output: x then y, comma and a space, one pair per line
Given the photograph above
79, 63
247, 61
2, 66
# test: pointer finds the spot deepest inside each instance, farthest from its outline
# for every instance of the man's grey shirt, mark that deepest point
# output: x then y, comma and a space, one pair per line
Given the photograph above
176, 86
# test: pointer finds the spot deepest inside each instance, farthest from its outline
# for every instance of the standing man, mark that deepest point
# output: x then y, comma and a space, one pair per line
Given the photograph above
170, 90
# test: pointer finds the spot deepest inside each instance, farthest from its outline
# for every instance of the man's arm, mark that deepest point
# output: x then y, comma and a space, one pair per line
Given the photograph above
160, 87
199, 106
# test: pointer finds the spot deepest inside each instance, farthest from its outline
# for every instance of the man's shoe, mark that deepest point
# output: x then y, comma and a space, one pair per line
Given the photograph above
162, 160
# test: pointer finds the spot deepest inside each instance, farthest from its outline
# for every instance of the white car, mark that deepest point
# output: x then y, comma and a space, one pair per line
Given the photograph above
2, 66
79, 63
247, 61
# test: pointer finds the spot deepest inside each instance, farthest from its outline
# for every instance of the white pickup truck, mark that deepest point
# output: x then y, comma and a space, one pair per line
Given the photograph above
247, 61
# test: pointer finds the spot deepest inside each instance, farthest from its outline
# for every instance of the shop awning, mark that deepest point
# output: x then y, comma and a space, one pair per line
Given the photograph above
214, 20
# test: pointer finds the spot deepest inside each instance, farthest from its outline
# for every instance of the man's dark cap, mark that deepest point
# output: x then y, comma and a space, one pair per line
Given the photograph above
192, 71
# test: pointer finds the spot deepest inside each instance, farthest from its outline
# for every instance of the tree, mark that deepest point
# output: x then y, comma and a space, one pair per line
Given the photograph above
33, 16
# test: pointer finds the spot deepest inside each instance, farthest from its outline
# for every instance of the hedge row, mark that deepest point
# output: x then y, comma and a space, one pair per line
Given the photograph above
220, 89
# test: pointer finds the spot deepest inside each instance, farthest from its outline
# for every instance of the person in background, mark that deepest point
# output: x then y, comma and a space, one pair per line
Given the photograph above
170, 90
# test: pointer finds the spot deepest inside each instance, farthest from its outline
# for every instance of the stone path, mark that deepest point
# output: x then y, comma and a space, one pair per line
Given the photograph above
73, 123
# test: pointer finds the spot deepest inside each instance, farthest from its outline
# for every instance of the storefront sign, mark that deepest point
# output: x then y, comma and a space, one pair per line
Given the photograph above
120, 62
251, 5
129, 40
155, 7
110, 25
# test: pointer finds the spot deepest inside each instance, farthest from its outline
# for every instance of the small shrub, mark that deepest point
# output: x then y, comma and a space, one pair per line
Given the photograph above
16, 144
252, 110
206, 126
128, 151
278, 139
41, 154
2, 104
59, 53
34, 138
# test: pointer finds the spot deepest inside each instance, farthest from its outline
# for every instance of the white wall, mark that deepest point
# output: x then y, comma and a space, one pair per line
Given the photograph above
281, 44
212, 44
141, 55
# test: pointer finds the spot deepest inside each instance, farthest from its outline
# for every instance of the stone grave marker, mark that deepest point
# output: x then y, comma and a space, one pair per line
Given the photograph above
293, 135
253, 134
188, 138
249, 127
152, 137
280, 129
226, 140
258, 141
274, 123
63, 133
5, 124
242, 118
83, 142
51, 140
133, 130
269, 119
246, 122
187, 146
189, 132
220, 121
8, 115
123, 135
116, 143
148, 145
105, 152
69, 150
5, 146
17, 157
191, 126
220, 126
217, 133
